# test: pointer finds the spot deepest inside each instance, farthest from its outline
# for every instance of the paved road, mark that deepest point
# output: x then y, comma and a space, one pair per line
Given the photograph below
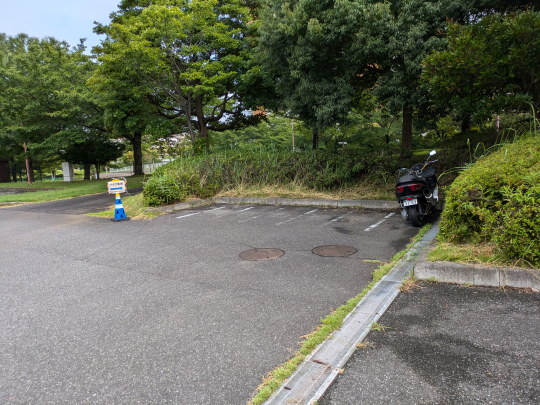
165, 311
76, 205
448, 345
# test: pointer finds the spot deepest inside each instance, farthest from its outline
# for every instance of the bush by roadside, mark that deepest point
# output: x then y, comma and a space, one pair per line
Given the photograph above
498, 200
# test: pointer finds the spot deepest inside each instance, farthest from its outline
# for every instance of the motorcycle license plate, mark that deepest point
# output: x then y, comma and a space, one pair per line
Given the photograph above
407, 203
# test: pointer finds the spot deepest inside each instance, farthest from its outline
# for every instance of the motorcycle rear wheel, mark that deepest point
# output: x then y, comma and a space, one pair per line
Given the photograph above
415, 216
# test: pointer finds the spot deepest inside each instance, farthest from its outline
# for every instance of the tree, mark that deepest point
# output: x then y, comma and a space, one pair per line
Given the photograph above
46, 105
323, 54
489, 67
190, 56
96, 150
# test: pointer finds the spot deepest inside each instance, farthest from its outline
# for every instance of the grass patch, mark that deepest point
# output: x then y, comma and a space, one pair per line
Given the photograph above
378, 327
364, 191
488, 254
329, 324
409, 284
134, 208
59, 190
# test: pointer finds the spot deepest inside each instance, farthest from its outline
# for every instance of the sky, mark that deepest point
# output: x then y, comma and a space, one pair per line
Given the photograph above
67, 20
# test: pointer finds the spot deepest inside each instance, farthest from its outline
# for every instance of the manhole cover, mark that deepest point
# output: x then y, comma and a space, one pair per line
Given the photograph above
262, 254
334, 251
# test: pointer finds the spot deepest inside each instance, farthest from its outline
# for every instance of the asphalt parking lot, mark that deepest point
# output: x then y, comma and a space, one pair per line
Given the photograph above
166, 311
448, 344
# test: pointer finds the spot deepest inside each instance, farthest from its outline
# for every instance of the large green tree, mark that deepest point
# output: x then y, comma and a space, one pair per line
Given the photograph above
489, 67
97, 150
323, 54
189, 55
45, 104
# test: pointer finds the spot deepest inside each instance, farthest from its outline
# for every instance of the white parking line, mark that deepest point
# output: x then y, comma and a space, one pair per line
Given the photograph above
234, 212
292, 219
336, 219
188, 215
249, 219
214, 209
378, 223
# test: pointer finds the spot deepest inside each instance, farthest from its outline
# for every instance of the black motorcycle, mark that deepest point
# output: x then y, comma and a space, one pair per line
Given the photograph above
417, 191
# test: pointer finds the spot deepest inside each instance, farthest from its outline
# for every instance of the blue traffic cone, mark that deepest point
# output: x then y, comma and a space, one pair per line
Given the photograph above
119, 213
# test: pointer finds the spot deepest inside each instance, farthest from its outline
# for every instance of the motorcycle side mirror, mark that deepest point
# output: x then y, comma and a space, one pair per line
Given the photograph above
432, 153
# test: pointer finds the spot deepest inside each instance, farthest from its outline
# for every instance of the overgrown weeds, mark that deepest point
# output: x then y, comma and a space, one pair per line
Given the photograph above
361, 191
378, 327
409, 284
487, 254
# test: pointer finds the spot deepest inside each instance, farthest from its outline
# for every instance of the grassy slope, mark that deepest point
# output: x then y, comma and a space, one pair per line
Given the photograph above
486, 254
60, 190
364, 191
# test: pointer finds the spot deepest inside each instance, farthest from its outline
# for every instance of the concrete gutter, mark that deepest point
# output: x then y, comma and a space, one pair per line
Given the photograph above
317, 372
371, 204
457, 273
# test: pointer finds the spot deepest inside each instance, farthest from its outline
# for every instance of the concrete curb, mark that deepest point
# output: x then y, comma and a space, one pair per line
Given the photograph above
9, 204
370, 204
457, 273
317, 372
181, 206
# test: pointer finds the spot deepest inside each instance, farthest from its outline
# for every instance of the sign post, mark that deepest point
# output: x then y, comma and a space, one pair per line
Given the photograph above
118, 186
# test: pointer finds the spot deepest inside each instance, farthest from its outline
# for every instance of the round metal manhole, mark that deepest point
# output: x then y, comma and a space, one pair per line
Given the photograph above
261, 254
334, 251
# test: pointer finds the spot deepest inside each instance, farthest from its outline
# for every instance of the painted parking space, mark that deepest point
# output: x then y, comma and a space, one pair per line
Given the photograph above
175, 308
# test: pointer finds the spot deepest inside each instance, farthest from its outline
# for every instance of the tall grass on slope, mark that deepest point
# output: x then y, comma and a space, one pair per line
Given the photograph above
204, 176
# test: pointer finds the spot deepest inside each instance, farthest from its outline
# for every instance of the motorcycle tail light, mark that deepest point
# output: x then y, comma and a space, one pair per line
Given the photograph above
415, 187
400, 189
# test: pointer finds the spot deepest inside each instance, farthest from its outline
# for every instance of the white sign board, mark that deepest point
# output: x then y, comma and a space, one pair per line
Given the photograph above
116, 186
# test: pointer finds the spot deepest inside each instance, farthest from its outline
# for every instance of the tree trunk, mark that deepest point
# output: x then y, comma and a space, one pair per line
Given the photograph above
29, 168
406, 132
203, 130
292, 132
14, 170
96, 165
87, 171
137, 154
204, 134
466, 123
315, 140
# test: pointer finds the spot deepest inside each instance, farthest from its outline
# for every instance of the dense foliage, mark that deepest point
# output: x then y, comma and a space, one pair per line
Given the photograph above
190, 56
45, 105
498, 199
488, 67
320, 170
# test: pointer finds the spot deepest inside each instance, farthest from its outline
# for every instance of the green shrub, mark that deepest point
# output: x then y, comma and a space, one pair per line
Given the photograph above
168, 187
498, 199
160, 190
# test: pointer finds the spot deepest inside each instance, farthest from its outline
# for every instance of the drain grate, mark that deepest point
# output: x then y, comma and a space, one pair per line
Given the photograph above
261, 254
334, 251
